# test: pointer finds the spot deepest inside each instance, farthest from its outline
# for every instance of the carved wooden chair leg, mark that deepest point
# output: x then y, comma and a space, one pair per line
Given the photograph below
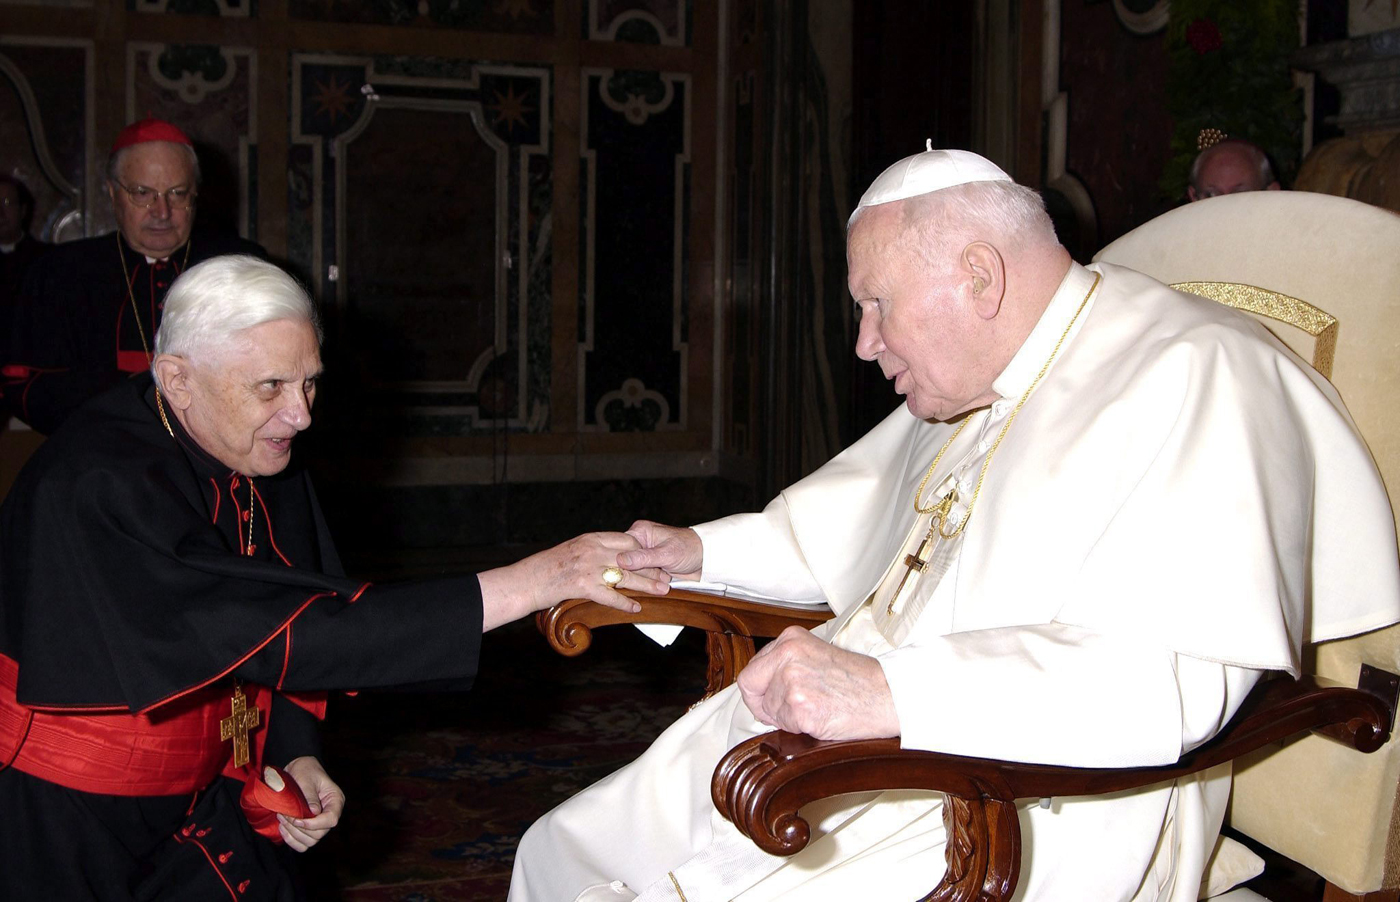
983, 851
728, 654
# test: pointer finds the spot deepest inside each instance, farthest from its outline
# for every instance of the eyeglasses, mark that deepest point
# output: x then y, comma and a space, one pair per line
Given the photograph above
175, 198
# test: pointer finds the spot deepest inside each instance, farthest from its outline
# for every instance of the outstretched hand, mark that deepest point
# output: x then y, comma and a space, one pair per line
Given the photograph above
673, 549
572, 569
802, 684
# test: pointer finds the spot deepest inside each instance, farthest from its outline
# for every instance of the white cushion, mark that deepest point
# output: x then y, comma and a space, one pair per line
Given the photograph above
1231, 863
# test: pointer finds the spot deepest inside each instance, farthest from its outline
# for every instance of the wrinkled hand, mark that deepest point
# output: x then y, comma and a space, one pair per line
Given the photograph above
801, 684
675, 550
324, 797
572, 569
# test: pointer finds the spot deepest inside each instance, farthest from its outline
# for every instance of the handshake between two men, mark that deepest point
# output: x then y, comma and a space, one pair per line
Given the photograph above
797, 682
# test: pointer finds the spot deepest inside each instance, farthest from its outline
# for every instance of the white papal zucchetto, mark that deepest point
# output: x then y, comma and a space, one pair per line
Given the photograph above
932, 170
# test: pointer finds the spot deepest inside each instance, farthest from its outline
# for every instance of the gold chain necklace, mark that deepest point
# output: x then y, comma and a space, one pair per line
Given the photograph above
160, 409
131, 295
946, 502
251, 516
160, 406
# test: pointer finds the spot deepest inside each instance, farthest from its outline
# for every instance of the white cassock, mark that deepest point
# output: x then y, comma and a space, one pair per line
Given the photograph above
1177, 508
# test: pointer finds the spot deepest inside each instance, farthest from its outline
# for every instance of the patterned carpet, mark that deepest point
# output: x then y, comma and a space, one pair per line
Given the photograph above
440, 787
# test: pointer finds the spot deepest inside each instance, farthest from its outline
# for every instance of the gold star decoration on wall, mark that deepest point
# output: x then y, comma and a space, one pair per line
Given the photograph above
510, 109
332, 99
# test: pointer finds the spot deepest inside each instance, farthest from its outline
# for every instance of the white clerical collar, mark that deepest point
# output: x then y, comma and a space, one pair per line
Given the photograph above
1040, 344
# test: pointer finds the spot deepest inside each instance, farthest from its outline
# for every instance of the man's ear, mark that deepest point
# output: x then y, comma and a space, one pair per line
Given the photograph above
173, 376
985, 272
111, 192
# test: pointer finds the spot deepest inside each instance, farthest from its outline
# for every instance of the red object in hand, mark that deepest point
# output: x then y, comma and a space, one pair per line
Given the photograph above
276, 793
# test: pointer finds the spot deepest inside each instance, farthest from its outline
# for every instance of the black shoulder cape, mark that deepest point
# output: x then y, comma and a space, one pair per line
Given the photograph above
123, 585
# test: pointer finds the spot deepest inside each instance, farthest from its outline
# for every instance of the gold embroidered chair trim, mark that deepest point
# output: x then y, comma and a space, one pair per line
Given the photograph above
1318, 323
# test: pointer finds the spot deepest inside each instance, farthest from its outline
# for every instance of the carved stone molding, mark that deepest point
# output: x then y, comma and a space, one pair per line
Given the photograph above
1366, 72
1143, 16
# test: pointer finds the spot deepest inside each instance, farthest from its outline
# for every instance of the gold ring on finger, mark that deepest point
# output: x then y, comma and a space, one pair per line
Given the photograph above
612, 576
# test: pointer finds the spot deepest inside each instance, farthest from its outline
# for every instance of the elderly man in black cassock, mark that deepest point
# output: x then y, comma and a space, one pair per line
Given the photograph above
172, 611
87, 312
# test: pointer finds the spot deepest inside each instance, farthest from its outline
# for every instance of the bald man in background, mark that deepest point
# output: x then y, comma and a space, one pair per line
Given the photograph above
1229, 167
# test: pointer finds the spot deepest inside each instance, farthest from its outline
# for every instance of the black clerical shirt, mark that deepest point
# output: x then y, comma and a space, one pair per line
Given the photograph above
85, 317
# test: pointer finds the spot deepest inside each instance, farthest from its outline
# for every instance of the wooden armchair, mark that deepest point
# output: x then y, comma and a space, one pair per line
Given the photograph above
1336, 254
762, 783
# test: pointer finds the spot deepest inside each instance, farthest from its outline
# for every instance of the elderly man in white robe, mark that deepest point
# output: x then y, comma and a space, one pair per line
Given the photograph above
1122, 505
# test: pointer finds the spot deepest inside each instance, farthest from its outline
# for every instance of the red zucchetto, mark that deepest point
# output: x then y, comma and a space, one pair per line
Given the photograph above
149, 130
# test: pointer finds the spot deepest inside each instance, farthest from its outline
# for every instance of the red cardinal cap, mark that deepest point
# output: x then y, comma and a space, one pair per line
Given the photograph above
149, 130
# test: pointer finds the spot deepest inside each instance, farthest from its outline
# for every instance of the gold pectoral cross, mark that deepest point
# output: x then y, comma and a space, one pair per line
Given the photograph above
237, 725
918, 561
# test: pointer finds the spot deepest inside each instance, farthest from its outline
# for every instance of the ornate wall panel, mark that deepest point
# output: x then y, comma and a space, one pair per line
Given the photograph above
635, 144
46, 92
227, 8
639, 21
747, 218
524, 299
746, 269
510, 16
209, 91
421, 192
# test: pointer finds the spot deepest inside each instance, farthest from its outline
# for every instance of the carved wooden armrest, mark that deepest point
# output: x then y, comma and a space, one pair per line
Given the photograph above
762, 782
730, 625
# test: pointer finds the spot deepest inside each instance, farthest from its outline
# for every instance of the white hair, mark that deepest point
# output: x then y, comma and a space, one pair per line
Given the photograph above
214, 301
943, 222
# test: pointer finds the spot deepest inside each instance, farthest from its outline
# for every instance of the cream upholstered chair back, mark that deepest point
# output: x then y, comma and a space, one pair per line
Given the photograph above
1331, 266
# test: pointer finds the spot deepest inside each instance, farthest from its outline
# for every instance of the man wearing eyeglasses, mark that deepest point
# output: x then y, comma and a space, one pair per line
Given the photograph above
88, 312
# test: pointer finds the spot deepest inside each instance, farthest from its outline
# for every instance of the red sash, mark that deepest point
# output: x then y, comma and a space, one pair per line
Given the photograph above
173, 750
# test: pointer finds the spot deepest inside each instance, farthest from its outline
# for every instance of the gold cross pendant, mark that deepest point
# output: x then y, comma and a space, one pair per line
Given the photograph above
918, 561
237, 725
